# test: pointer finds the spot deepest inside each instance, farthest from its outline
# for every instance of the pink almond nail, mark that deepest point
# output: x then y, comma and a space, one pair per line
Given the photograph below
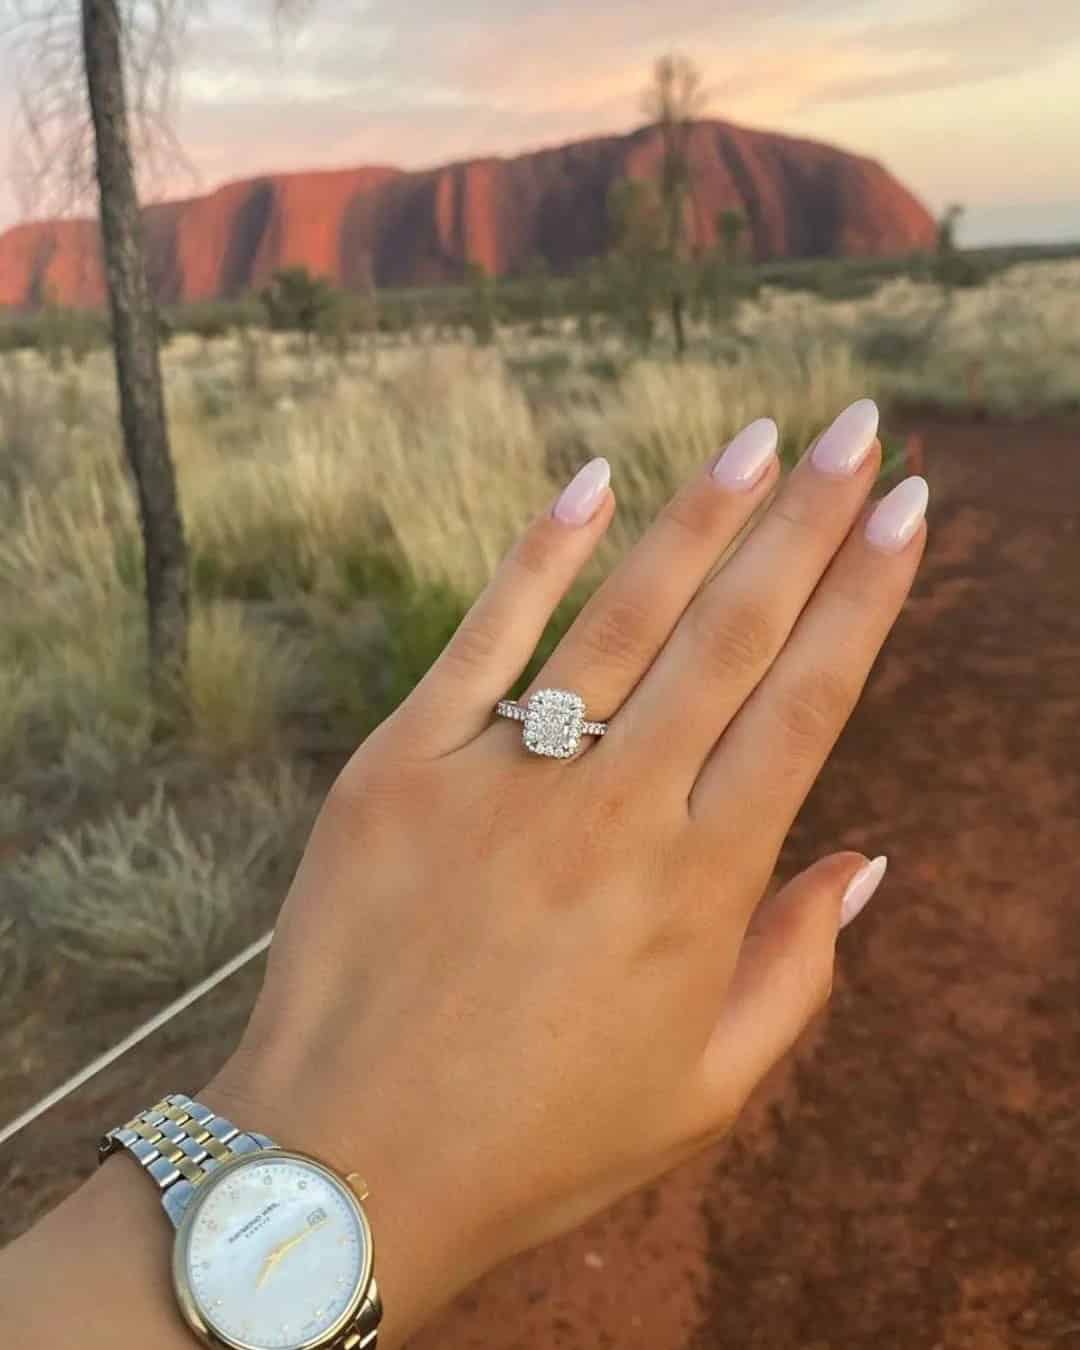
897, 516
842, 447
582, 497
747, 456
861, 889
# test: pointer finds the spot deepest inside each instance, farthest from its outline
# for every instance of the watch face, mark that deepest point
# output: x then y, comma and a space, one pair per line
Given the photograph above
275, 1254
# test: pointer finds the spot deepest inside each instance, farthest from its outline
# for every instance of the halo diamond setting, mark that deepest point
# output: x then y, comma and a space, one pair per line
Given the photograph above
554, 722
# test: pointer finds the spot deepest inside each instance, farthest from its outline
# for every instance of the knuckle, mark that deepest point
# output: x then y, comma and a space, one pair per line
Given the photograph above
799, 512
696, 515
615, 635
378, 800
532, 552
612, 805
860, 602
474, 646
711, 1126
815, 708
794, 513
820, 974
349, 804
361, 785
670, 920
669, 942
735, 640
616, 813
809, 980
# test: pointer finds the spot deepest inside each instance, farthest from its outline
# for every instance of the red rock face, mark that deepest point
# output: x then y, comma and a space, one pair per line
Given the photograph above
800, 199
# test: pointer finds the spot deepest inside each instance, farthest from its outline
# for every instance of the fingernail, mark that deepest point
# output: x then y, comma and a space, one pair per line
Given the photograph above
842, 447
861, 889
583, 495
747, 456
897, 516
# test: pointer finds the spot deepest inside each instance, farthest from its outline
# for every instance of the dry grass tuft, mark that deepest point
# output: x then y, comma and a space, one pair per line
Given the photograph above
14, 961
242, 679
1011, 346
662, 421
149, 902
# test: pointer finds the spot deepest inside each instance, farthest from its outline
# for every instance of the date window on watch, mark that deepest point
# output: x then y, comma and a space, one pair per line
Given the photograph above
316, 1217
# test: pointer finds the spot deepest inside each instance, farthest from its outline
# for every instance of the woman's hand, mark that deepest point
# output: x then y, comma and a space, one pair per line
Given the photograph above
509, 990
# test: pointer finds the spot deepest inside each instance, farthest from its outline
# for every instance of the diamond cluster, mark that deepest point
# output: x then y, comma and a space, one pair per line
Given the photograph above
554, 723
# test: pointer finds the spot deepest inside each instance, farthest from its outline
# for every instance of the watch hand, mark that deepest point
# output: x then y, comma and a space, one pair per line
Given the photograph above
280, 1250
274, 1257
268, 1265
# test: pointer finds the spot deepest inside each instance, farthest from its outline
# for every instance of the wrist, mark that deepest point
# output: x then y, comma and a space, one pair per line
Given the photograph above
98, 1263
429, 1244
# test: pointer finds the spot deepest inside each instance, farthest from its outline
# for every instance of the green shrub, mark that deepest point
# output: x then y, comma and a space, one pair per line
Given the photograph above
605, 368
417, 621
547, 367
296, 301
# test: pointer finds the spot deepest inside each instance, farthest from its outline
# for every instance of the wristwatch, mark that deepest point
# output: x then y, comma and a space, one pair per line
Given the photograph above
273, 1250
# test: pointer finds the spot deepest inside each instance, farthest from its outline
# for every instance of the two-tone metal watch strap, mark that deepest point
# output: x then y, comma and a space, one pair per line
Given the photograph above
364, 1332
180, 1142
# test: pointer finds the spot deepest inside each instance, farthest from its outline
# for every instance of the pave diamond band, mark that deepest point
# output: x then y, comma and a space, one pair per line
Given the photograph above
553, 722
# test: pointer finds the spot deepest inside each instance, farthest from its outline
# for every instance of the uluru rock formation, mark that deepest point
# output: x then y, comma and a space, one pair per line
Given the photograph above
800, 199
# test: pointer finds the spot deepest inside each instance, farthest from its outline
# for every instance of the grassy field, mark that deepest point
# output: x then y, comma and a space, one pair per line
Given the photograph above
342, 509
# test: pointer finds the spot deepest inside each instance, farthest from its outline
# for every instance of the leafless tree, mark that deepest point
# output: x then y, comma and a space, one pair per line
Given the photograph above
673, 101
96, 81
53, 153
730, 225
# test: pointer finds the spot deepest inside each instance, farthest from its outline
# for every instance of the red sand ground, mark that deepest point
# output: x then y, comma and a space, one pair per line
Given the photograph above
914, 1180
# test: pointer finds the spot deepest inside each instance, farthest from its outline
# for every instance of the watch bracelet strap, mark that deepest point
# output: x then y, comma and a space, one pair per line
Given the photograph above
180, 1142
364, 1332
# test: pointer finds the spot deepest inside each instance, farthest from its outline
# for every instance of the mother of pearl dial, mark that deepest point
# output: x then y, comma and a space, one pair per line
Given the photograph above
274, 1254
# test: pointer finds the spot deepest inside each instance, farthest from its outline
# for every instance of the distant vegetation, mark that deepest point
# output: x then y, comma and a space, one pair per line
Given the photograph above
596, 297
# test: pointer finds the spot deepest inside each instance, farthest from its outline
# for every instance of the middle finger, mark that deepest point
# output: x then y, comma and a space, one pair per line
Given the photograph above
738, 624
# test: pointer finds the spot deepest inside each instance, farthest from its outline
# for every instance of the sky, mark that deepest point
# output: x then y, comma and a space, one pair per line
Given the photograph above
971, 101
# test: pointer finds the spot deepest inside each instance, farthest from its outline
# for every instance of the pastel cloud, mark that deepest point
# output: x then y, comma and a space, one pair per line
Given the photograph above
418, 82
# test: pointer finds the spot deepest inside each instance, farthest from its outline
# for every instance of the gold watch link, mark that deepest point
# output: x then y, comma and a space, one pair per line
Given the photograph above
225, 1191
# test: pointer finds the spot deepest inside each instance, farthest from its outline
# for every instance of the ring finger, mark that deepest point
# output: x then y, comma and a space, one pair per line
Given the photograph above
620, 631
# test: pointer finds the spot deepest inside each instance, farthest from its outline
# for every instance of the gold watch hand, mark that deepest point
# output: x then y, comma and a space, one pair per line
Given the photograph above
274, 1257
268, 1265
281, 1249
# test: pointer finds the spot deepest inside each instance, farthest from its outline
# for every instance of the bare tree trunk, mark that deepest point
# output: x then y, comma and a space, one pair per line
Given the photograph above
676, 224
138, 364
675, 178
678, 320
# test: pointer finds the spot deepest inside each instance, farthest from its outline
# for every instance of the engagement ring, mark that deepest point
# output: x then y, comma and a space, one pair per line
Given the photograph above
554, 722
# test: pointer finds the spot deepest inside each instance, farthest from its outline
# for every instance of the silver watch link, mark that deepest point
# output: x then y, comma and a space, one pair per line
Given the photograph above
273, 1248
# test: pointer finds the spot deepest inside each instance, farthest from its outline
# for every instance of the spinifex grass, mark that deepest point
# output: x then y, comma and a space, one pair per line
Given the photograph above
342, 513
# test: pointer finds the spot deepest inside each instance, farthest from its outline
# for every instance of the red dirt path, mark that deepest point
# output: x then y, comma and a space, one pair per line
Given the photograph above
914, 1181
